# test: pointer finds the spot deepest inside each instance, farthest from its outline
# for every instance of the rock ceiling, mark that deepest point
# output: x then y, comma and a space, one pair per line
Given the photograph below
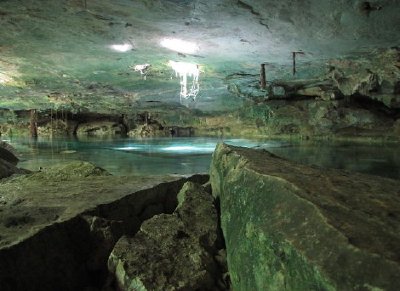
61, 52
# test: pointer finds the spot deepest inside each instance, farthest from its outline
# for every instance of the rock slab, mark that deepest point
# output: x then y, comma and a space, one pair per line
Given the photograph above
293, 227
58, 226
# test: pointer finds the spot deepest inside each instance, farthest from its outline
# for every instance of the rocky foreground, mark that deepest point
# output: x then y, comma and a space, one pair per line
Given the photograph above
285, 226
292, 227
58, 226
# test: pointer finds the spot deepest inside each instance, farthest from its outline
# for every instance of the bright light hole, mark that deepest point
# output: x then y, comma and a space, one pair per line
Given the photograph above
185, 70
180, 46
121, 47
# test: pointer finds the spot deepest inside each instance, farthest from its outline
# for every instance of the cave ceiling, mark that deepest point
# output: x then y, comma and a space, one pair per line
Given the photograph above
65, 52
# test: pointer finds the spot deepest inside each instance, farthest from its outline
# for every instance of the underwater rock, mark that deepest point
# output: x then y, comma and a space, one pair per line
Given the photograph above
288, 226
172, 252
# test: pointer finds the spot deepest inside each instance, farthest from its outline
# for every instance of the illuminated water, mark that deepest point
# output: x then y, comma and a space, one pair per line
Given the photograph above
193, 155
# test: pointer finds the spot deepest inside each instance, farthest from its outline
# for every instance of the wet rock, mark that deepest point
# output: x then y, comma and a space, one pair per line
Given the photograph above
100, 128
7, 154
8, 169
292, 227
177, 131
148, 130
172, 252
8, 147
9, 161
69, 171
57, 232
56, 127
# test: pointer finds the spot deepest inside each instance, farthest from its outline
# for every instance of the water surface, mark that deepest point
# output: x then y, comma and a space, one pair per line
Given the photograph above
193, 155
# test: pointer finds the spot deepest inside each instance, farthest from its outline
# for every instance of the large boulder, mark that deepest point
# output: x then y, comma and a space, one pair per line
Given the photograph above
7, 154
57, 232
293, 227
7, 169
171, 252
8, 161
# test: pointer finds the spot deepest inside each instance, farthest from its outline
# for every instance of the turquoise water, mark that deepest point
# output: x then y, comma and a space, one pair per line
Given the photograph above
193, 155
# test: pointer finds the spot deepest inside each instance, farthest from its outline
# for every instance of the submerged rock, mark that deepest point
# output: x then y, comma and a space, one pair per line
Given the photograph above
293, 227
172, 252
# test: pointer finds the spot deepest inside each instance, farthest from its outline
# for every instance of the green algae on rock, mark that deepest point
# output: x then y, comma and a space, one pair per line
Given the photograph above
292, 227
58, 226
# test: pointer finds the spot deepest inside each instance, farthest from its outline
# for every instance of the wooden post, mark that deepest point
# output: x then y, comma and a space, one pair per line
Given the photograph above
294, 60
263, 81
33, 123
294, 63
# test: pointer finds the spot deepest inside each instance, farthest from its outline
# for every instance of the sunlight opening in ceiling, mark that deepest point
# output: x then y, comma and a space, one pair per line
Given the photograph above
185, 70
180, 46
122, 48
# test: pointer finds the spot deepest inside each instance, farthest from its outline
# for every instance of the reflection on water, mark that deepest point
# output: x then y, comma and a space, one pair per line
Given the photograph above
193, 155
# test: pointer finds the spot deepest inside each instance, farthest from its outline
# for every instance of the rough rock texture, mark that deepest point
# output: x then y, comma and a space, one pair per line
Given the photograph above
352, 99
8, 162
7, 169
58, 226
56, 55
7, 155
100, 128
292, 227
56, 127
148, 130
172, 252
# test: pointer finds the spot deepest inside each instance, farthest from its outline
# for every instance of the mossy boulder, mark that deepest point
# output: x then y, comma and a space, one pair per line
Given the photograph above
69, 171
288, 226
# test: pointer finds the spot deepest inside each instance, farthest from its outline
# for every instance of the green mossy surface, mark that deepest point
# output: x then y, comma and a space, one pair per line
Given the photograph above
292, 227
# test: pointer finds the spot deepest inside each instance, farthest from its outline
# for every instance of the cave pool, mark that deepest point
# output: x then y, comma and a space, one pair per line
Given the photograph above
158, 156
